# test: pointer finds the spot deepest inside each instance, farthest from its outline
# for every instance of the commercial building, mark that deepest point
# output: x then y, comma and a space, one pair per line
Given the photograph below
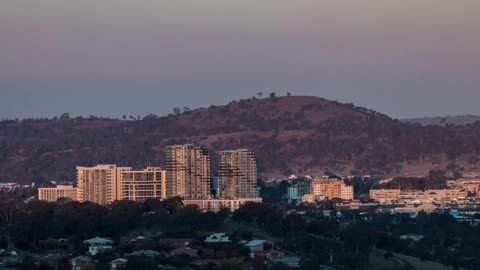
9, 186
296, 191
331, 188
54, 193
472, 186
237, 175
384, 195
416, 196
139, 185
188, 171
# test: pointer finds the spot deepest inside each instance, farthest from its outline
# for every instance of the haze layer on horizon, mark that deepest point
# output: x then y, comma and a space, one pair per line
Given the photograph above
115, 57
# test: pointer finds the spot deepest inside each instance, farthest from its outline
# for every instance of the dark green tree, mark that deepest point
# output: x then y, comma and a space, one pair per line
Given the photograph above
28, 263
232, 264
3, 242
141, 262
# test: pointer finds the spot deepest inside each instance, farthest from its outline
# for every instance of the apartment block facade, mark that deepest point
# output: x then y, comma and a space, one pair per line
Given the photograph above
54, 193
331, 188
97, 184
237, 175
139, 185
188, 171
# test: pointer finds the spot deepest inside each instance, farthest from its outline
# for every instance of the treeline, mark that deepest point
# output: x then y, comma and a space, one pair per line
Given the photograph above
317, 242
348, 238
435, 180
29, 225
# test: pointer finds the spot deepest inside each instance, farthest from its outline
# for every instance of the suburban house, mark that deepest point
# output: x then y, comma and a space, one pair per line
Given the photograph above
265, 257
81, 262
97, 241
119, 263
94, 250
255, 245
218, 238
98, 245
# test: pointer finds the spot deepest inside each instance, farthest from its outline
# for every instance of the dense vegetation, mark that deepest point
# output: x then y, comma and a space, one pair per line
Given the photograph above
289, 135
31, 225
435, 180
39, 228
348, 238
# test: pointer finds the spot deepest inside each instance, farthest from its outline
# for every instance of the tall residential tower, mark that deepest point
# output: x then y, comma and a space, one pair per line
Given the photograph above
237, 175
188, 171
97, 184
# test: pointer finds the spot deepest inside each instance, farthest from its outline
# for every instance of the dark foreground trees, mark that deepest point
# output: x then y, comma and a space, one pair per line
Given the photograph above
38, 221
3, 242
346, 242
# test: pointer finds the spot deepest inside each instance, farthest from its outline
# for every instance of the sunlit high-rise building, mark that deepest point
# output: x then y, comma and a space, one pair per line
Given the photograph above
139, 185
237, 175
188, 171
97, 184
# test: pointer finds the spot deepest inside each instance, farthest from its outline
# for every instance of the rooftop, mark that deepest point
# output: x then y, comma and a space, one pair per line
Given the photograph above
255, 242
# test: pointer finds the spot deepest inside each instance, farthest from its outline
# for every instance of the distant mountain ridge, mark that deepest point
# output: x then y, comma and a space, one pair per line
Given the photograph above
442, 121
290, 135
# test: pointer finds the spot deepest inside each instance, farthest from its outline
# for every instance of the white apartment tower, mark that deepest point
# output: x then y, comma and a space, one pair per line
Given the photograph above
139, 185
188, 171
237, 175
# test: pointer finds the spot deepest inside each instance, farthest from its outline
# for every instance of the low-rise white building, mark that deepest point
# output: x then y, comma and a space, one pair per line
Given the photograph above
216, 205
416, 196
9, 186
54, 193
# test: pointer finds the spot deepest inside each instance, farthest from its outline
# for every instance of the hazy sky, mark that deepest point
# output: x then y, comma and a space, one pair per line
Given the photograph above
112, 57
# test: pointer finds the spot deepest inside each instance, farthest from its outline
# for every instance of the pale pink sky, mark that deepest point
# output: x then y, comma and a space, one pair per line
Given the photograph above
388, 55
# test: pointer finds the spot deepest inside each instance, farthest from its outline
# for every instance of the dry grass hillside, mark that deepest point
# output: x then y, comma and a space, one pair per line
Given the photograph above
297, 134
